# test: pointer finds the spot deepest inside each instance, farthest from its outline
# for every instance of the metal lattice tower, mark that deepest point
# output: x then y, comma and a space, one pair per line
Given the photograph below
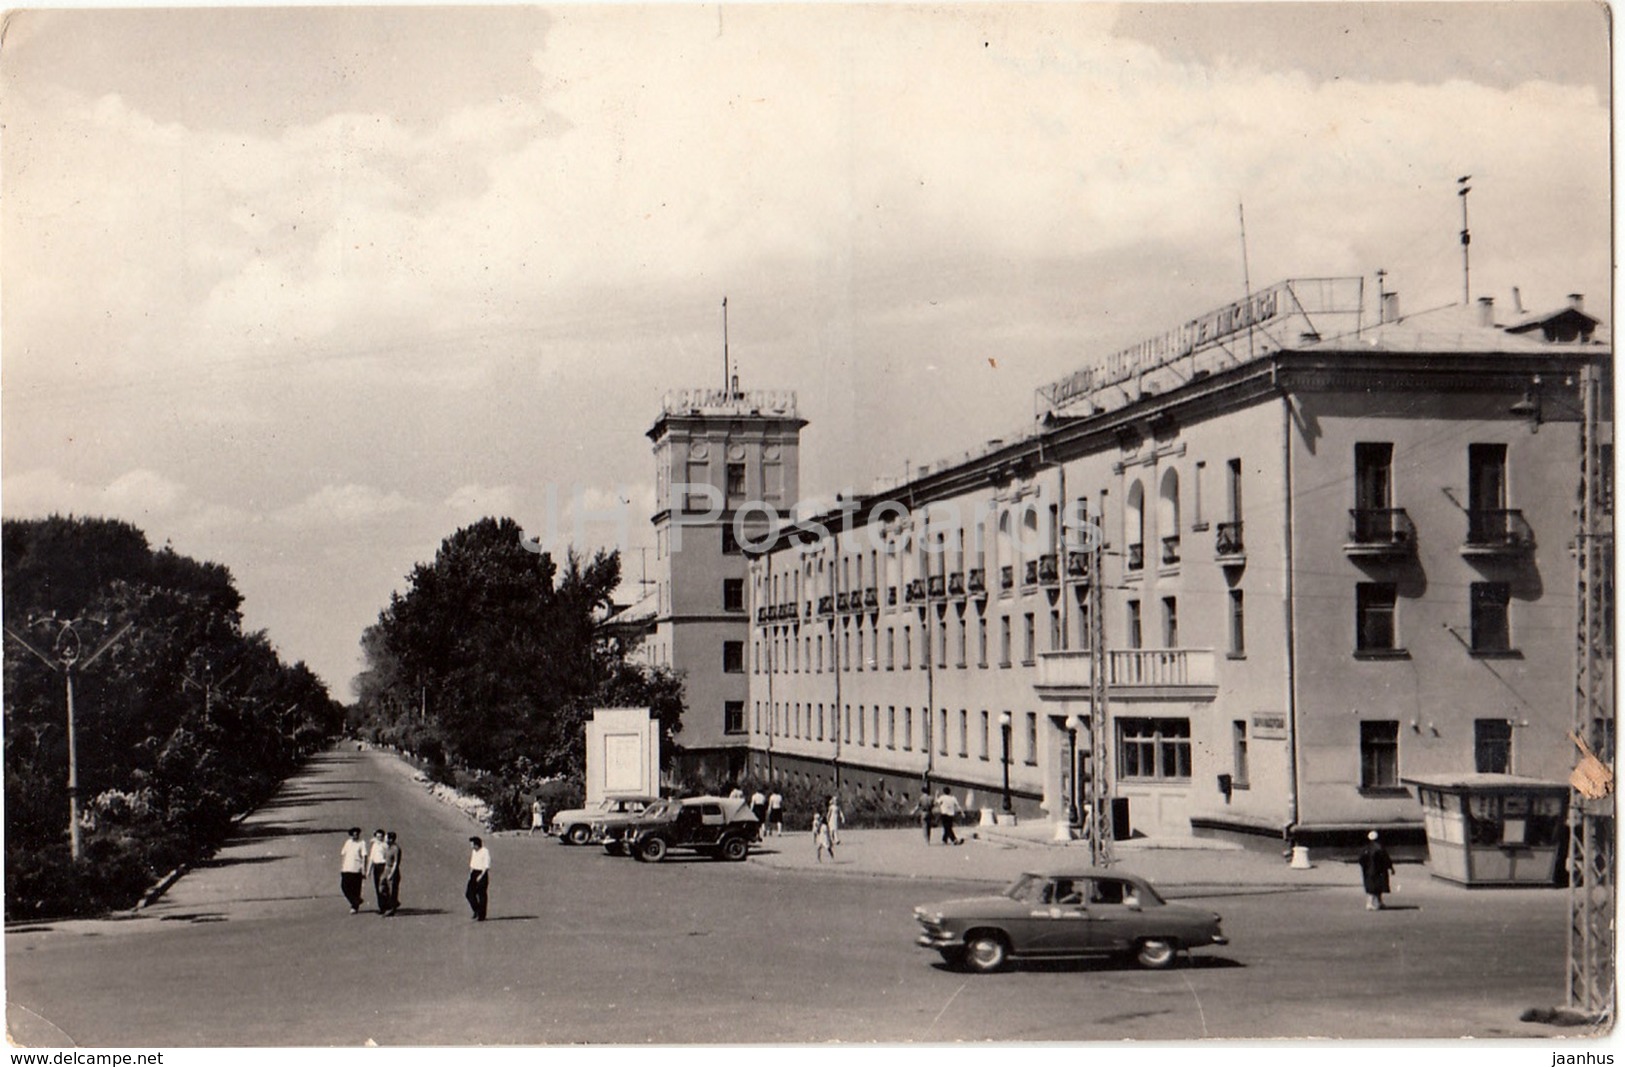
1591, 975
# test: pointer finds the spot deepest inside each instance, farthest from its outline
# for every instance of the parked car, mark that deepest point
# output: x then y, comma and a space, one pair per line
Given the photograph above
574, 826
1068, 912
714, 826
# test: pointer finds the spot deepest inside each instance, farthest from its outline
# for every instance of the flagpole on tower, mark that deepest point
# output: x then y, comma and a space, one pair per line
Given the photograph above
1466, 239
725, 377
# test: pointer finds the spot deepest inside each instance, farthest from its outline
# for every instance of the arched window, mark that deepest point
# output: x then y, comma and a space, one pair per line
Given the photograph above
1134, 525
1168, 517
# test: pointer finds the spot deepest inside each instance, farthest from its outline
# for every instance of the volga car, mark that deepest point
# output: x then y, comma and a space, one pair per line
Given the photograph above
714, 826
574, 826
1066, 913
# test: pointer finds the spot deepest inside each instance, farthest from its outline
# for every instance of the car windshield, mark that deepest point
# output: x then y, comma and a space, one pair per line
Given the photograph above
658, 808
1027, 887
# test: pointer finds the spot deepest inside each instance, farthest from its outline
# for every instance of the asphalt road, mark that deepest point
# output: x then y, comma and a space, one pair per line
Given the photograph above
257, 948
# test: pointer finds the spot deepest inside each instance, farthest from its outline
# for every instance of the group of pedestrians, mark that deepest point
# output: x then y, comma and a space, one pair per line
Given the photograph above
377, 861
768, 809
943, 810
826, 828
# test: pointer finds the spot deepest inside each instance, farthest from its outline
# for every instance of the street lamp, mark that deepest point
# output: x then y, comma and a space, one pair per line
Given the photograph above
67, 653
1004, 736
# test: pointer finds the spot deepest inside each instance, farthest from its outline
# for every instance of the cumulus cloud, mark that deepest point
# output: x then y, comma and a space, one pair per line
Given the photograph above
345, 505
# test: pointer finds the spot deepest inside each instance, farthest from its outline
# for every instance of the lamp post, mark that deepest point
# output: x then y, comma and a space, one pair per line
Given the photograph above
1004, 758
67, 653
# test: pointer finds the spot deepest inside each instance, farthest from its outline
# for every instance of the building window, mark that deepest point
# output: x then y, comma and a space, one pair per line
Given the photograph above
942, 643
846, 724
1238, 746
1054, 630
1170, 622
1004, 640
942, 731
1233, 489
983, 752
908, 647
874, 734
736, 482
891, 647
820, 722
959, 638
1373, 475
1032, 739
733, 594
1238, 625
1492, 746
964, 733
891, 727
1374, 617
1491, 631
733, 657
1379, 754
730, 543
733, 717
796, 731
1154, 748
981, 642
1028, 637
860, 726
908, 730
1134, 636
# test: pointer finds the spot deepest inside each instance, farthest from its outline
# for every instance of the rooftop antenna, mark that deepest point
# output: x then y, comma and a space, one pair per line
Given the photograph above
725, 378
1246, 276
1466, 239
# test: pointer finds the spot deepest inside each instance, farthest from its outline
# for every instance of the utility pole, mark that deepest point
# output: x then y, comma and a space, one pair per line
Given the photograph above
1466, 239
1100, 807
1591, 973
67, 648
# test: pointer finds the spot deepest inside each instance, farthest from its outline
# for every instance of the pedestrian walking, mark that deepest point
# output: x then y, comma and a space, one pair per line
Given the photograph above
479, 878
390, 902
924, 807
948, 810
1375, 867
775, 813
822, 841
758, 808
535, 816
832, 816
375, 867
352, 868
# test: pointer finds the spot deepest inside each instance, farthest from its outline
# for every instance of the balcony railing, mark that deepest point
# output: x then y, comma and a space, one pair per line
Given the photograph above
1170, 551
826, 605
871, 597
761, 614
1497, 531
1136, 557
976, 581
1047, 572
1077, 565
891, 596
936, 587
1007, 577
956, 585
1131, 668
842, 602
1380, 532
1029, 572
1227, 542
915, 591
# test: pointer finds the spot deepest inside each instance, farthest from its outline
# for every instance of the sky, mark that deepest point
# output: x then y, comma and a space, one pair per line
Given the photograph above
304, 290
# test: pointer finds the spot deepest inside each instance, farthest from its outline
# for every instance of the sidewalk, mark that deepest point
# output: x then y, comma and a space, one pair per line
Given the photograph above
996, 854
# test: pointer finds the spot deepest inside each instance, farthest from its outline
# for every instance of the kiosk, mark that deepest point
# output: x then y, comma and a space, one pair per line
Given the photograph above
1493, 829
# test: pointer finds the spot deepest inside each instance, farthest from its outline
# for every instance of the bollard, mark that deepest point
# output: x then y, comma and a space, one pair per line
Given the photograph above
1063, 831
987, 818
1300, 858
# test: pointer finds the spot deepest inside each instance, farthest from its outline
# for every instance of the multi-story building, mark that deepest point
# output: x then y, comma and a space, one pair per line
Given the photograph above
715, 450
1335, 552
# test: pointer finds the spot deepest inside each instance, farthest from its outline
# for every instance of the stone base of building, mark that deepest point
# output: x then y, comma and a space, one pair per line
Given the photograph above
1334, 842
821, 775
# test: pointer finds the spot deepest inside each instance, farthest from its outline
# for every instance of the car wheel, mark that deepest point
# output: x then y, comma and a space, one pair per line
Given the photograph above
986, 952
578, 835
653, 850
1156, 953
735, 849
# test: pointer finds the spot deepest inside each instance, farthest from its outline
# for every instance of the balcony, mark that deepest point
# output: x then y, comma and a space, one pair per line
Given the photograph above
1170, 551
1029, 573
1136, 557
1007, 578
1190, 673
891, 596
976, 582
936, 587
1047, 572
826, 605
1497, 532
916, 591
1380, 533
842, 602
761, 614
871, 597
1228, 547
956, 585
1077, 565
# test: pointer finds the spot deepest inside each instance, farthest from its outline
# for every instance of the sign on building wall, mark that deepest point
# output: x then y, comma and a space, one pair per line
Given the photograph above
623, 754
1269, 725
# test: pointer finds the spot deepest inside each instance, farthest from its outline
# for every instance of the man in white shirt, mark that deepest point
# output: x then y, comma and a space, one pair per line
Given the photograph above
352, 868
479, 878
948, 810
375, 867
